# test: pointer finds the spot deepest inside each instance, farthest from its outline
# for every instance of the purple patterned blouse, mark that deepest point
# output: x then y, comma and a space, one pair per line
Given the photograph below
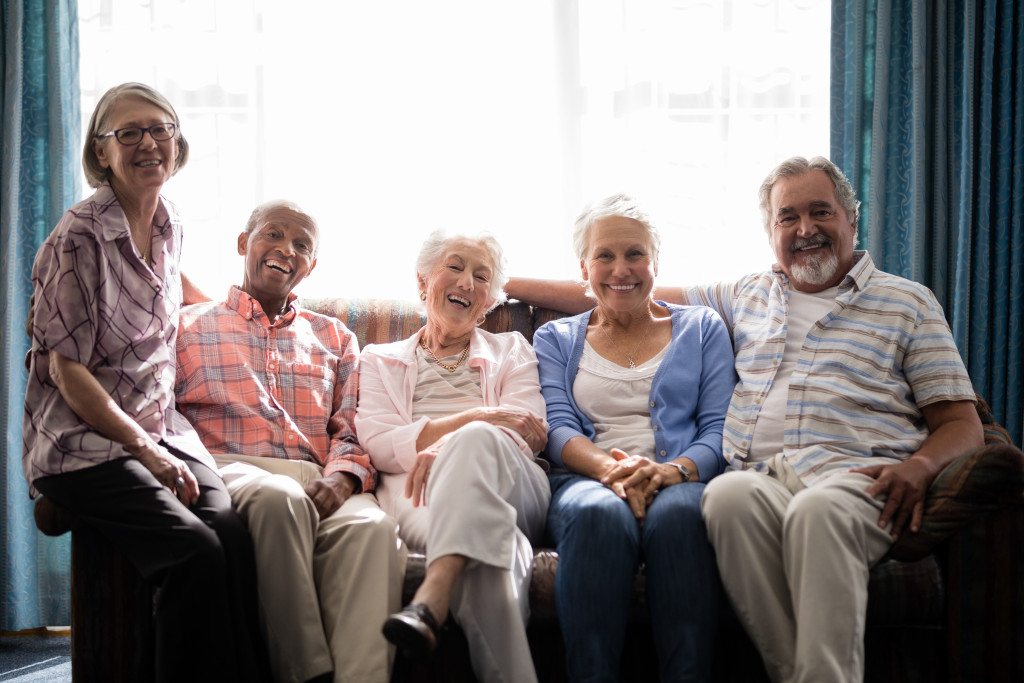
98, 303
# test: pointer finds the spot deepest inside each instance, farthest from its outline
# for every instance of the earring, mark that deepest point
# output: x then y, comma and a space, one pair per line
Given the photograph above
423, 296
480, 321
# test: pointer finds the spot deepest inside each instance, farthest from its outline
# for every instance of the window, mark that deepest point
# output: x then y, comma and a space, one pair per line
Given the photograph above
387, 120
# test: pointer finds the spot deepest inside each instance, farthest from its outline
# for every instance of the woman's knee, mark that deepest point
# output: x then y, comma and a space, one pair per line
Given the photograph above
675, 513
475, 440
606, 520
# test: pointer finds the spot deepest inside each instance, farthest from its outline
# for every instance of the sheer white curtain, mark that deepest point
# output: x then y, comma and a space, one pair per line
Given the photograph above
386, 120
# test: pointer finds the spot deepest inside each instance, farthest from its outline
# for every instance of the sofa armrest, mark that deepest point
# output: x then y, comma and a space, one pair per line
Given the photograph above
52, 519
977, 484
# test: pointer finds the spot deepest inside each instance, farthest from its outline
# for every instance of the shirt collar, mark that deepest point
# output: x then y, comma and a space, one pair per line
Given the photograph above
117, 227
247, 307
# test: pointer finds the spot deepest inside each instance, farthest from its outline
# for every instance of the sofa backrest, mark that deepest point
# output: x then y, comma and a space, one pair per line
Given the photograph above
379, 321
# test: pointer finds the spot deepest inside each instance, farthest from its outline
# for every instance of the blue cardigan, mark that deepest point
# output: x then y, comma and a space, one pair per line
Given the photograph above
689, 394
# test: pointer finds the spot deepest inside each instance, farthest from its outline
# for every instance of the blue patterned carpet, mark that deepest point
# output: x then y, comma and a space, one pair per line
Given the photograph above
35, 659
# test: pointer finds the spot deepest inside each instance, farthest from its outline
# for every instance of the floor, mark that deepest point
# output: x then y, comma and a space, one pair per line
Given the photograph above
35, 656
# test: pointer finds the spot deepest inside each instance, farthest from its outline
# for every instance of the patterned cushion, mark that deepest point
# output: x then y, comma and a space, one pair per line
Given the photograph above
379, 321
373, 321
976, 484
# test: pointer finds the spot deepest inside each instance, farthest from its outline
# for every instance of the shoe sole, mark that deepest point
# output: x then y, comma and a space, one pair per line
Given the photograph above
406, 638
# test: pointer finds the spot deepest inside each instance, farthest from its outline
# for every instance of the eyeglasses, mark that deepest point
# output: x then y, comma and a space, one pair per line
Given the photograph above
133, 135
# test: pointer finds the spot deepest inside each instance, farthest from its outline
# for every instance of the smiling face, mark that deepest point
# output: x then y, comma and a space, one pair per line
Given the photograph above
458, 289
620, 264
280, 252
811, 234
139, 169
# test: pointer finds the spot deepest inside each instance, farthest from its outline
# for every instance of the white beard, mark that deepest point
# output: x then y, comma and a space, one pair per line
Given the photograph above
817, 270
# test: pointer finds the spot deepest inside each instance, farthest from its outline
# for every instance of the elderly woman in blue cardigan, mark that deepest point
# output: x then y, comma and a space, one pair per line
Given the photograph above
636, 394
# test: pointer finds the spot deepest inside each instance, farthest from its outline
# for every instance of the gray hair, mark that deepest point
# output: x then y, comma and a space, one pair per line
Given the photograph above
437, 245
796, 166
259, 213
95, 173
620, 205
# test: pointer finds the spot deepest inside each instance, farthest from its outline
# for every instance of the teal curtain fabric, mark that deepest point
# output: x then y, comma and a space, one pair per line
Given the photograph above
39, 178
928, 123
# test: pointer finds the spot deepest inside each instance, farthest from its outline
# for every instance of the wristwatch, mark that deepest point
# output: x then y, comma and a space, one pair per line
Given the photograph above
683, 471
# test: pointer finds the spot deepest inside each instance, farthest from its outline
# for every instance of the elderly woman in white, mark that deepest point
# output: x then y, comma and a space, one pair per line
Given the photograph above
452, 419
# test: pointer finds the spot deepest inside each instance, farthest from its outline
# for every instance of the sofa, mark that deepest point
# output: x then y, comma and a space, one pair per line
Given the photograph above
946, 604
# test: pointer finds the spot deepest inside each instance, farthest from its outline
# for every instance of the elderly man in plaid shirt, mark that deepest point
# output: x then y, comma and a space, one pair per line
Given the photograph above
271, 390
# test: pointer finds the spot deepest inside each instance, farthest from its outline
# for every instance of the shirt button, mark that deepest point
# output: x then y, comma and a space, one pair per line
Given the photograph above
743, 443
662, 453
655, 427
652, 404
757, 401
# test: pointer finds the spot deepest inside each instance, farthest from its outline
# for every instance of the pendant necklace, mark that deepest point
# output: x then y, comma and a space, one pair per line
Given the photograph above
629, 356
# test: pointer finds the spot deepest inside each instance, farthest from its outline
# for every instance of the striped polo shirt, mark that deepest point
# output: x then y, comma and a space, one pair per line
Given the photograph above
862, 375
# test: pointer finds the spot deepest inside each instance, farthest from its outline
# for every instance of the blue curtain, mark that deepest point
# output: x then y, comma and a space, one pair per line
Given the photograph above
928, 123
39, 178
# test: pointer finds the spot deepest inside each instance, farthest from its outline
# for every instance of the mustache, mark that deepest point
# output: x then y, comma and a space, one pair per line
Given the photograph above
814, 242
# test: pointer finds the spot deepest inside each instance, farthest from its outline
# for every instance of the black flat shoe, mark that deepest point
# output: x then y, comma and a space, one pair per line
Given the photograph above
414, 629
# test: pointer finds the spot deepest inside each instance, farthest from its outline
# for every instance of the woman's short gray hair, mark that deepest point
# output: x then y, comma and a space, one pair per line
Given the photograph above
95, 173
620, 205
796, 166
438, 244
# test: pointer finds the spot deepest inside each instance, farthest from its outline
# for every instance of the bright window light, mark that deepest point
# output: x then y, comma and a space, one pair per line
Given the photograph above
386, 120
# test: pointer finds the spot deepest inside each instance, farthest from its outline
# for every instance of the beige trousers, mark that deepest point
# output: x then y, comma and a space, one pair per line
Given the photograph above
795, 562
325, 585
485, 501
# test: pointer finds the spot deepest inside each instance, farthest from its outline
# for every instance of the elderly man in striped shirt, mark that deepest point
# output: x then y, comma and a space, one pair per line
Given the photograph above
271, 390
851, 398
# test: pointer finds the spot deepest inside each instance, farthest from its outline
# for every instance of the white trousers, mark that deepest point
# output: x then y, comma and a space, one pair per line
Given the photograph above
485, 501
325, 585
795, 567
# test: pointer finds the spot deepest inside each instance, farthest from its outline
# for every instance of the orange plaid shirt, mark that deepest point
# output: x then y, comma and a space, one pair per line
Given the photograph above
283, 390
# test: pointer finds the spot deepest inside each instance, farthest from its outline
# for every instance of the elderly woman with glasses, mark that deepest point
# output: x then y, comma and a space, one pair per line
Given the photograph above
101, 436
452, 419
636, 393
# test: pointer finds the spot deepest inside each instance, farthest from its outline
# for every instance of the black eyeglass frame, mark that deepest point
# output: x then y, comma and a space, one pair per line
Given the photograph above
172, 129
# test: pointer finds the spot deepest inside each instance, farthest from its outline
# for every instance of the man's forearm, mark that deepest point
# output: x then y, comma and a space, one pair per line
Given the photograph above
566, 296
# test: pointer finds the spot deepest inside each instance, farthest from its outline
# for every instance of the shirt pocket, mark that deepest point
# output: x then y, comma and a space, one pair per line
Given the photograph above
310, 392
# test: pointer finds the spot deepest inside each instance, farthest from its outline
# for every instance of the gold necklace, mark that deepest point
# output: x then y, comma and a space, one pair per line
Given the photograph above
629, 356
149, 247
447, 366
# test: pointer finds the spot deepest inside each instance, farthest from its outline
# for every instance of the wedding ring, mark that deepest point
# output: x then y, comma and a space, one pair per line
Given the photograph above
179, 483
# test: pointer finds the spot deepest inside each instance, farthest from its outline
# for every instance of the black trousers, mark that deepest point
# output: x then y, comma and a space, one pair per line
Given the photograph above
206, 618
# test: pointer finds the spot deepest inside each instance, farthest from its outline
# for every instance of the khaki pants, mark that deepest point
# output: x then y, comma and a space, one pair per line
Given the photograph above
325, 585
795, 563
485, 501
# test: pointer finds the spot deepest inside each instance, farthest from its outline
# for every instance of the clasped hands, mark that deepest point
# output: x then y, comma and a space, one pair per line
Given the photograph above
522, 422
636, 480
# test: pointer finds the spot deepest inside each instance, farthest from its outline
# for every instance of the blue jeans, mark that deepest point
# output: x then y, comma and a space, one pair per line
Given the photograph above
600, 544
